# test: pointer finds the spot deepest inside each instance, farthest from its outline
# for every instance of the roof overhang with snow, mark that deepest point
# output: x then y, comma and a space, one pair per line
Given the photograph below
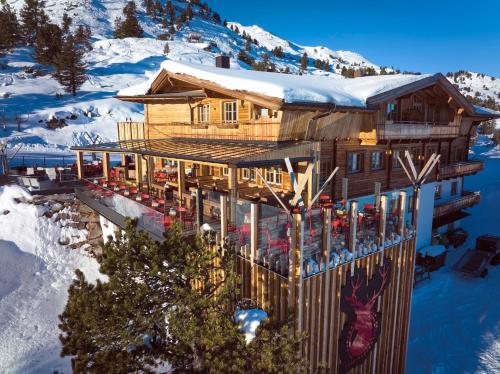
299, 92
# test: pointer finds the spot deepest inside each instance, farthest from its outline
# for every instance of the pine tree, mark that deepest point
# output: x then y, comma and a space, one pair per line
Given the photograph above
327, 67
48, 43
170, 10
33, 17
9, 36
278, 52
82, 38
166, 49
150, 7
318, 64
129, 27
304, 62
121, 325
66, 23
189, 12
69, 66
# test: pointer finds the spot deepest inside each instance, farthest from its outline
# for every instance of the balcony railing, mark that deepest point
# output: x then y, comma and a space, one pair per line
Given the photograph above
131, 130
460, 168
467, 200
415, 130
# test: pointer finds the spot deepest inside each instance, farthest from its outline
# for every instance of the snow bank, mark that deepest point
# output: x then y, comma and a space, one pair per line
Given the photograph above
250, 319
432, 250
290, 88
35, 273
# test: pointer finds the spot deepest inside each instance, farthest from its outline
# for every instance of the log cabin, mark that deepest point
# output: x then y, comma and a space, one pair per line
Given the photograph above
213, 142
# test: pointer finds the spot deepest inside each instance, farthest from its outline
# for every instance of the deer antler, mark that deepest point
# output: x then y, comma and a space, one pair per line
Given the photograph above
353, 299
383, 271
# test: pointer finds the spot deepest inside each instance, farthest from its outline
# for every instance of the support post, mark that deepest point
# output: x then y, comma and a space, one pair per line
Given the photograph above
345, 187
382, 223
151, 170
295, 292
378, 187
181, 180
402, 213
199, 208
353, 227
327, 233
223, 218
79, 164
254, 229
232, 181
106, 167
138, 170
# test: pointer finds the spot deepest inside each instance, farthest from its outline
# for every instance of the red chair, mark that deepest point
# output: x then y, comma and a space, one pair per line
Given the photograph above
168, 221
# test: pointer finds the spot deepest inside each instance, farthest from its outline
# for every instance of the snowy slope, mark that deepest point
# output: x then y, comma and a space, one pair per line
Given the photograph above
26, 87
271, 41
35, 273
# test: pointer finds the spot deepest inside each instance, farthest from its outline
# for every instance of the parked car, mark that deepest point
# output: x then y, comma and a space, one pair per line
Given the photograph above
457, 237
474, 262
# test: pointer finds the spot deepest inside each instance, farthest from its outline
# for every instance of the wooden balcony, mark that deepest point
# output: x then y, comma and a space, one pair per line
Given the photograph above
467, 200
240, 130
460, 169
130, 130
415, 130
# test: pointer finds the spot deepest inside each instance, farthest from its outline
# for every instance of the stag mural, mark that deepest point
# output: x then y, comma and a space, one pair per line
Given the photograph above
359, 300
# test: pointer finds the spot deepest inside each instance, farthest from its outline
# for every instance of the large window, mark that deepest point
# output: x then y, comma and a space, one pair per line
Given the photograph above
230, 112
392, 112
225, 172
377, 160
204, 113
354, 162
273, 175
395, 162
249, 174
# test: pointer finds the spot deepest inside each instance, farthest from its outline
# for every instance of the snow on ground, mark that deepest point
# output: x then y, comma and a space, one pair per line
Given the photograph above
455, 326
35, 273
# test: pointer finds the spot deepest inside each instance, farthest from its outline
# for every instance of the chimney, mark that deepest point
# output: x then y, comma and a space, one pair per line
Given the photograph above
223, 62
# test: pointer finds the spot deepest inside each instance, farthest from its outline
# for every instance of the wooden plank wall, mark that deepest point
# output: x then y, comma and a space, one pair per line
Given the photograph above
322, 318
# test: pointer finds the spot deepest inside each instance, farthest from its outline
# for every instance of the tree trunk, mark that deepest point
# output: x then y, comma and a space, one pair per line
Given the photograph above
198, 359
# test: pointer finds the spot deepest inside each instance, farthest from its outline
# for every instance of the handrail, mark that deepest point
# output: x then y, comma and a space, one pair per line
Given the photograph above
466, 200
460, 168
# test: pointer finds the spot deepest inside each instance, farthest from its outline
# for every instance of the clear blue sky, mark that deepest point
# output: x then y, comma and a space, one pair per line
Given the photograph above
425, 35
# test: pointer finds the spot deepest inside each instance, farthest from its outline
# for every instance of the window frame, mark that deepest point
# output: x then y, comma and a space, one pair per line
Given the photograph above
360, 155
248, 174
203, 110
381, 161
454, 188
234, 112
274, 176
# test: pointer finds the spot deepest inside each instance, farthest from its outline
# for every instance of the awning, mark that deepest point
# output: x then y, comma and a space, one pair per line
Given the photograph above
222, 152
449, 218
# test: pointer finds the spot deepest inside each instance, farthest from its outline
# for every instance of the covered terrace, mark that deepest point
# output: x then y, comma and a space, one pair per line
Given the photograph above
161, 173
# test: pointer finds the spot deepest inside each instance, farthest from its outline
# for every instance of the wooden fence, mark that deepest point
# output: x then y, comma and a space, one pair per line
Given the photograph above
317, 303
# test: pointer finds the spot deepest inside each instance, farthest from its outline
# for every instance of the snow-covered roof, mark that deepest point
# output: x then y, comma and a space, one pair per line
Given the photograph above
486, 111
289, 88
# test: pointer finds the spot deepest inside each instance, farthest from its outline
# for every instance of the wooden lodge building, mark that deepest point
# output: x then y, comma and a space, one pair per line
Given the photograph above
221, 135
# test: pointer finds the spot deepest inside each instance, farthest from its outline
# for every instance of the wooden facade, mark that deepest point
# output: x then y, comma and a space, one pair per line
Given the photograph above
231, 138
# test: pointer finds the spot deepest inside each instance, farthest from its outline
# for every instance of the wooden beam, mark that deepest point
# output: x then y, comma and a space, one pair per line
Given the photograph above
106, 167
181, 180
79, 164
138, 169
